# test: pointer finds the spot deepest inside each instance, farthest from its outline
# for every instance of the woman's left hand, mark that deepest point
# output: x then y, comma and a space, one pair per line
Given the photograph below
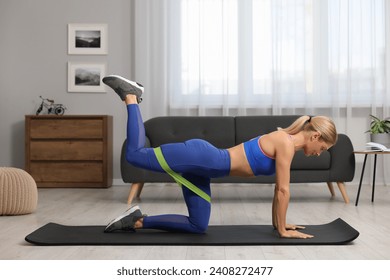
293, 227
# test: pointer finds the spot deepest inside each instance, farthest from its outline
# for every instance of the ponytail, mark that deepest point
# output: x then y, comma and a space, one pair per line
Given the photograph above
321, 124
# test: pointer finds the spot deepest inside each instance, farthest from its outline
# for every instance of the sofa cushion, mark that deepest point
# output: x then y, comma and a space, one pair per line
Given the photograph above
248, 127
302, 162
219, 131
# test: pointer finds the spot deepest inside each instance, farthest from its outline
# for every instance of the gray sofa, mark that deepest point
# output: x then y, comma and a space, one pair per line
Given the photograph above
336, 165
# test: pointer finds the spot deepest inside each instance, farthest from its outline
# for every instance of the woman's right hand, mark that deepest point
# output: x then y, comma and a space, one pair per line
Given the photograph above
295, 234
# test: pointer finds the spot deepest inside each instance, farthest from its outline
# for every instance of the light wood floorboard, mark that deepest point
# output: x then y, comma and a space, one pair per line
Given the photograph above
232, 204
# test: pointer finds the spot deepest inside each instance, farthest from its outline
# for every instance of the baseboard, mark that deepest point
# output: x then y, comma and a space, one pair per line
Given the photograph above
119, 182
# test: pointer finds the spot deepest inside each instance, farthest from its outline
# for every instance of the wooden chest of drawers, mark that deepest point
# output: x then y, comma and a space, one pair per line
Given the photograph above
69, 151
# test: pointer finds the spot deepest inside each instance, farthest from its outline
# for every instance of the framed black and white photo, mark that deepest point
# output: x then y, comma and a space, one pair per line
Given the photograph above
87, 38
86, 77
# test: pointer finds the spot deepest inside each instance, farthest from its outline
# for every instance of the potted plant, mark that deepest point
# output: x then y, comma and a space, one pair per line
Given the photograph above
380, 130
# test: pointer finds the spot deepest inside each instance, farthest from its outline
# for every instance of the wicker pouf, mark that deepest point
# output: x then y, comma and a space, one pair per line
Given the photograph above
18, 192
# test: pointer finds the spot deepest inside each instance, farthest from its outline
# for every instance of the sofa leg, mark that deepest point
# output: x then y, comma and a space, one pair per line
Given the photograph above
135, 191
343, 191
331, 189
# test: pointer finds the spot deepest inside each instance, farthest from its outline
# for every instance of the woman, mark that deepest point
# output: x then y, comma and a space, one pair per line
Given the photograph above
198, 161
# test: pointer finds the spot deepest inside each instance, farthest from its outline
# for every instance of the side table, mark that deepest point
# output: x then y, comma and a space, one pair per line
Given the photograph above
366, 153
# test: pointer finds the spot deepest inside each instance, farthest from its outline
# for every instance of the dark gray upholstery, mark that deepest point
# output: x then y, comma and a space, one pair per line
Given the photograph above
335, 165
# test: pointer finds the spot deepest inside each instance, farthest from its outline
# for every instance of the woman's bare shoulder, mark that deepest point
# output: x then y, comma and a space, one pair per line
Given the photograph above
279, 136
282, 141
276, 142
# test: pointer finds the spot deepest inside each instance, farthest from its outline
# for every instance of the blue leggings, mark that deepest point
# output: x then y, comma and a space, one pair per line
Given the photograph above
196, 160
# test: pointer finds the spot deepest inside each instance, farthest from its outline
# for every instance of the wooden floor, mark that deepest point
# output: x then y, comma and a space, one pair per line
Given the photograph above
232, 204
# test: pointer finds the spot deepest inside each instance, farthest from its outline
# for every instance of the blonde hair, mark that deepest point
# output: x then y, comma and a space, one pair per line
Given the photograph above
324, 125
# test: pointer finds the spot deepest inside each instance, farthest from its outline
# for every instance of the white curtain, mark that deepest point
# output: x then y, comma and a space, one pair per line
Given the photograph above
244, 57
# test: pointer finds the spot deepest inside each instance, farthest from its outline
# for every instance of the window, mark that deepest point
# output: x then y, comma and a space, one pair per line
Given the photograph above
293, 53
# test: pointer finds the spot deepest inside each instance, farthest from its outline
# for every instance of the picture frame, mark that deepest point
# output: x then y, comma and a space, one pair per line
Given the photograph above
87, 39
86, 77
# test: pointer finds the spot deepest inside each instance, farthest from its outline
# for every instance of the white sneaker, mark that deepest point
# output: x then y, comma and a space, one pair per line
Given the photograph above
124, 87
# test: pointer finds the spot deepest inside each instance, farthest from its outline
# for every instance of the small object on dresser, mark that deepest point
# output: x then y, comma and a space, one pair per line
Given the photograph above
51, 107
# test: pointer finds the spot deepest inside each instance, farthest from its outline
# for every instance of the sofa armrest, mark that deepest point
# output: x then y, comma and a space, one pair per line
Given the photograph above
342, 160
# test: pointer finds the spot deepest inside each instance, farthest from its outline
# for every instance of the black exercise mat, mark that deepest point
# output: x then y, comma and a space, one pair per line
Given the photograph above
337, 232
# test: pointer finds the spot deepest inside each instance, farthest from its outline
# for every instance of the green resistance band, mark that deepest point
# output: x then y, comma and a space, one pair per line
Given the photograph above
177, 177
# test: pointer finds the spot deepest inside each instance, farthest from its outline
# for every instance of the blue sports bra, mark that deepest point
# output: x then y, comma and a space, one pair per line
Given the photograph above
260, 163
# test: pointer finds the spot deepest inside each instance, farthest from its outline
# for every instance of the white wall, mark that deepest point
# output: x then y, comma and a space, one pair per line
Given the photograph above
33, 62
